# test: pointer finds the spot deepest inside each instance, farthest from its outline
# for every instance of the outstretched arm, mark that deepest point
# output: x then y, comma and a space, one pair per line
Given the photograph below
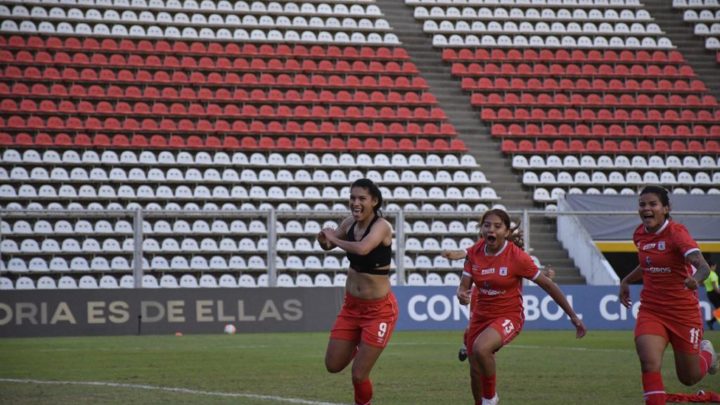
453, 254
554, 291
549, 272
624, 293
463, 290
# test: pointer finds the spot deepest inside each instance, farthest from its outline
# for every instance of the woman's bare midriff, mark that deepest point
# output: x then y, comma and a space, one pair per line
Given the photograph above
367, 286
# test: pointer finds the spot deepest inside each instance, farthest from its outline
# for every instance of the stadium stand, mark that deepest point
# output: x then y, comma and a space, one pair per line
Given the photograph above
170, 106
705, 17
571, 89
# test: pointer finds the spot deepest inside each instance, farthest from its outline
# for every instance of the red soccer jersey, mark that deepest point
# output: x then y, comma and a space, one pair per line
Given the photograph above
662, 259
498, 279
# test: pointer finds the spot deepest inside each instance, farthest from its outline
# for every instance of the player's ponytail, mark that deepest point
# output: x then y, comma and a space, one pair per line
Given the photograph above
515, 234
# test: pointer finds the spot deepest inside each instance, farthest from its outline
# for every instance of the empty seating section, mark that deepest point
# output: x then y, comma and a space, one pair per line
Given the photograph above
308, 22
205, 251
64, 90
232, 106
538, 24
704, 15
565, 85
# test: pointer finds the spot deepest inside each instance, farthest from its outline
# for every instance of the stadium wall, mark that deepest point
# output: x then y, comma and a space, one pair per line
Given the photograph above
151, 311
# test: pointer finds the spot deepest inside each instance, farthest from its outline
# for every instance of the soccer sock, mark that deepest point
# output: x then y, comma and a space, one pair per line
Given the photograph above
488, 386
653, 389
363, 392
705, 362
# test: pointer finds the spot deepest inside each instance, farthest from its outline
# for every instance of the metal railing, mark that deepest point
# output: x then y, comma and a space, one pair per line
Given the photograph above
272, 216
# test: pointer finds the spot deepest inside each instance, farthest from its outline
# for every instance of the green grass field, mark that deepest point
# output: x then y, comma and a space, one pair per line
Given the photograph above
417, 368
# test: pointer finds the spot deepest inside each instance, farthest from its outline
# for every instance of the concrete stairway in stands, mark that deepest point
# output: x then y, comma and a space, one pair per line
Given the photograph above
496, 166
692, 46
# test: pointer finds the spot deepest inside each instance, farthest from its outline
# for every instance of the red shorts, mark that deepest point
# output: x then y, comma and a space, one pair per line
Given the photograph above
371, 321
684, 335
507, 326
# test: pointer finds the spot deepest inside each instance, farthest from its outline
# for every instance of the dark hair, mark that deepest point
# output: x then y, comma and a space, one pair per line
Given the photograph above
662, 195
516, 235
374, 191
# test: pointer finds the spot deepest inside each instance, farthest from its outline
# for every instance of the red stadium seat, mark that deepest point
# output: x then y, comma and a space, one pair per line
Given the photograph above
158, 141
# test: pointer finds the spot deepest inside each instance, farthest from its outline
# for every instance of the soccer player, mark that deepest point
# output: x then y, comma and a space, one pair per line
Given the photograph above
713, 293
369, 314
548, 271
669, 310
496, 266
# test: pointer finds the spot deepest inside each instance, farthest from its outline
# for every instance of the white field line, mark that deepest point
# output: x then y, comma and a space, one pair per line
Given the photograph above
171, 389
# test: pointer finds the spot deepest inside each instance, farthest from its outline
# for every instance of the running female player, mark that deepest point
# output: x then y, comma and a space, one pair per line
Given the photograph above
496, 265
369, 313
669, 306
548, 272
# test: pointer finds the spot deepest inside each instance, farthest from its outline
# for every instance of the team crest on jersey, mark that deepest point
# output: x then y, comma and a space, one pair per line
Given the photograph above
503, 271
661, 245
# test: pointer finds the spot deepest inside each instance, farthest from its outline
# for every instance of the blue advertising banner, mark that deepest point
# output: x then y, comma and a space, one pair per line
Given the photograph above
436, 308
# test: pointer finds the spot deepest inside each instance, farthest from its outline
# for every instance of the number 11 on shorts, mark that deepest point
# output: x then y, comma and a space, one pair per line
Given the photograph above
694, 336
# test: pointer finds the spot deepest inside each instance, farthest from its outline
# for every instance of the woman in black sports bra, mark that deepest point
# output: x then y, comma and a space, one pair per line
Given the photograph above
369, 313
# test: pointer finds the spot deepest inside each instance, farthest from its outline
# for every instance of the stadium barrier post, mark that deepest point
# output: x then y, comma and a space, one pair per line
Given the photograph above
137, 248
272, 248
400, 247
526, 230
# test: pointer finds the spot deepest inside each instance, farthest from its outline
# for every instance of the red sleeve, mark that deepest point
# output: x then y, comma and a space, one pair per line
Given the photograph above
683, 241
526, 266
467, 268
470, 252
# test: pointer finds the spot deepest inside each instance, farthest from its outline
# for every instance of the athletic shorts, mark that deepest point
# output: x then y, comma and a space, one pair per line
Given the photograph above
684, 335
508, 327
370, 321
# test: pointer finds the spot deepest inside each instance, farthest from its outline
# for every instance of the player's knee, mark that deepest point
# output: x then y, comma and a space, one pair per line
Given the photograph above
481, 352
333, 367
650, 363
688, 379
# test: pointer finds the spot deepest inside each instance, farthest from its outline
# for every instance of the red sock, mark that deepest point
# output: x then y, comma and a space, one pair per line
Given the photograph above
363, 392
653, 389
488, 386
705, 362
